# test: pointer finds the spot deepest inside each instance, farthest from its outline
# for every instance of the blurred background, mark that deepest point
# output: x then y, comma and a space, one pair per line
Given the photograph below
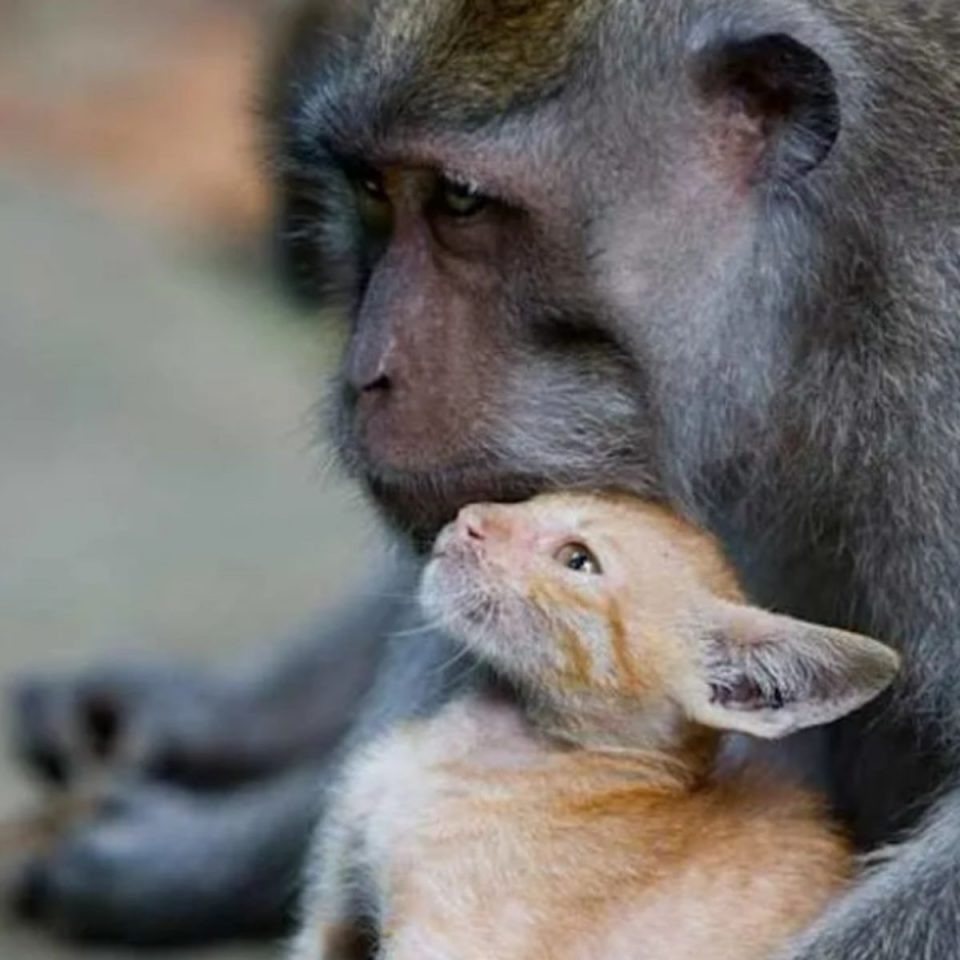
161, 484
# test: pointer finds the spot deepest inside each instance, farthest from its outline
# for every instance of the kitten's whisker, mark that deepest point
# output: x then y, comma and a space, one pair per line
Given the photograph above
418, 631
462, 654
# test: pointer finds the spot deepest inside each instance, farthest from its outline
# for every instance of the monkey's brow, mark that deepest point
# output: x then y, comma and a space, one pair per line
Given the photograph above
311, 157
329, 124
323, 138
314, 145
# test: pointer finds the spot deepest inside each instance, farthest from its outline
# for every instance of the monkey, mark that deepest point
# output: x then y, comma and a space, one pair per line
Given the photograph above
37, 830
593, 819
702, 251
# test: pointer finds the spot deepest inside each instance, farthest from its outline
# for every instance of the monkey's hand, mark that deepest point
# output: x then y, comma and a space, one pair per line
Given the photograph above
207, 727
159, 865
906, 906
171, 722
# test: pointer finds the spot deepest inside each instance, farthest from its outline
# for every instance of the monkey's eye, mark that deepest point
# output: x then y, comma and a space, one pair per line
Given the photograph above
373, 202
370, 184
461, 198
579, 558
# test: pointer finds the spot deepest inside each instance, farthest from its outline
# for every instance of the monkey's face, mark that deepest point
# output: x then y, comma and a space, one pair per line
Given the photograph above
544, 264
476, 366
478, 363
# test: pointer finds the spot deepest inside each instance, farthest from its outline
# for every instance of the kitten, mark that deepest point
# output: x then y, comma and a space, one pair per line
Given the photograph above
594, 824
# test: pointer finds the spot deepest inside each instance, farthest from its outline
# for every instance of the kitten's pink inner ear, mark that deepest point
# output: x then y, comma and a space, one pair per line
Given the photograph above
743, 693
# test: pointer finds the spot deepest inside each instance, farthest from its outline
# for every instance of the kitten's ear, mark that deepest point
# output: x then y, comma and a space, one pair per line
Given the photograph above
769, 675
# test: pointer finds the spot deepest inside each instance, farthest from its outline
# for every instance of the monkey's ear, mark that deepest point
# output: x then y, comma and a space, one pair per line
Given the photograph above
769, 675
775, 103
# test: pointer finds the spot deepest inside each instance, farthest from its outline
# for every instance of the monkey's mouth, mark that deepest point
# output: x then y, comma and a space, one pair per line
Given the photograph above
419, 503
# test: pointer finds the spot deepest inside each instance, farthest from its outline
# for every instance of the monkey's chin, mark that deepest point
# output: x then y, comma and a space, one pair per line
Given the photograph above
420, 504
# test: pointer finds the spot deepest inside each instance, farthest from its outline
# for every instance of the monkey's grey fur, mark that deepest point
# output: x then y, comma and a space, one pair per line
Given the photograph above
788, 374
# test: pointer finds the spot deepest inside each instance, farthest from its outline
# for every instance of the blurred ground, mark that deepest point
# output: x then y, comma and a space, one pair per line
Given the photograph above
160, 487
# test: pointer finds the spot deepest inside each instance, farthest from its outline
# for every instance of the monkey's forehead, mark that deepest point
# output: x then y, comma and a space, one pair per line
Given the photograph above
419, 71
473, 59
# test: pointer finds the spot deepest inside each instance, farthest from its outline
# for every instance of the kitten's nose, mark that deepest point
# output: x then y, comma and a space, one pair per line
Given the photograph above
471, 524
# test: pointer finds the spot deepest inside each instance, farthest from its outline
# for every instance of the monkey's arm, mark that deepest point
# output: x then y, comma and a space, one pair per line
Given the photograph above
139, 869
163, 866
906, 907
166, 844
216, 726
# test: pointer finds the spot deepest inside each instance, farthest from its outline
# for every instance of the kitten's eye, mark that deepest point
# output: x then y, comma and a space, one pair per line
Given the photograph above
461, 198
579, 558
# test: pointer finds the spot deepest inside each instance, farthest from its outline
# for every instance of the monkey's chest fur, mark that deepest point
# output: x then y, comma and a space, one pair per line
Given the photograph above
479, 839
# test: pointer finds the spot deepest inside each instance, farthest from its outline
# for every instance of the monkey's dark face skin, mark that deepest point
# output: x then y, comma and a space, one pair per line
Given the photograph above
479, 366
537, 271
472, 372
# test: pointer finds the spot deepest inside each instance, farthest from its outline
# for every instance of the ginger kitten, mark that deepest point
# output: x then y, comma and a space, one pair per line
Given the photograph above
593, 823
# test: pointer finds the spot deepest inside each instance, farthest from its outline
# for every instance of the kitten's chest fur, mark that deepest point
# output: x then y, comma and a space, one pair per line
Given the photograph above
484, 840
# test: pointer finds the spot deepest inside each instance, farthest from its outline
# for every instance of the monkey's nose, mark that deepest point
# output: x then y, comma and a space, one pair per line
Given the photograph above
377, 382
368, 369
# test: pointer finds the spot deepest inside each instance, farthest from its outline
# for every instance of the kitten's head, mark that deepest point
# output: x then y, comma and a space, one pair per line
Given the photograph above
615, 612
